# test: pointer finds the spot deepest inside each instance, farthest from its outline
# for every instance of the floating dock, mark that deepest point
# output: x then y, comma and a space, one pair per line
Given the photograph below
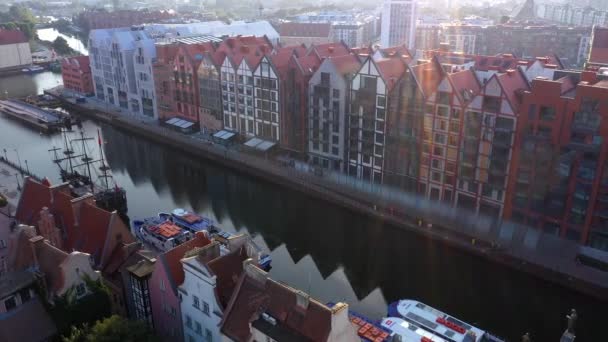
33, 116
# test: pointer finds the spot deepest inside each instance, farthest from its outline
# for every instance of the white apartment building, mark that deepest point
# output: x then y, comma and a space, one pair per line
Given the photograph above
399, 19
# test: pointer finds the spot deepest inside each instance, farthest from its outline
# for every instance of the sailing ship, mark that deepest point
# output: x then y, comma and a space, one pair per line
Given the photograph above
75, 168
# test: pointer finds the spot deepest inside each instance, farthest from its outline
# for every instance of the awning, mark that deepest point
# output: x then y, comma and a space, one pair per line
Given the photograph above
259, 144
224, 135
179, 123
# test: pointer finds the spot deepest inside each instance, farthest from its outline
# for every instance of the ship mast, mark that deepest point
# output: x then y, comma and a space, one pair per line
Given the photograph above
86, 159
68, 151
103, 168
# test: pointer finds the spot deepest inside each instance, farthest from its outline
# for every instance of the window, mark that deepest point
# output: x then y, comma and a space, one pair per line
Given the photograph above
173, 312
198, 328
208, 335
491, 104
190, 338
455, 113
438, 151
442, 111
162, 285
440, 138
25, 295
206, 308
189, 321
195, 302
336, 93
325, 78
547, 113
10, 303
381, 101
2, 243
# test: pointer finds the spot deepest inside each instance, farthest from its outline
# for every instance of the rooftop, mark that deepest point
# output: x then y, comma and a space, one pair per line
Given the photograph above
12, 37
291, 29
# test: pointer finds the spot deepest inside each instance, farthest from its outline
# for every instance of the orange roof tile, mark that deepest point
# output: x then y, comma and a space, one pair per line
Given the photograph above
346, 64
391, 70
171, 258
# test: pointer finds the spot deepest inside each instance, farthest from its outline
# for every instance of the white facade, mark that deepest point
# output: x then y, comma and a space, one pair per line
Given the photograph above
201, 312
75, 269
15, 55
399, 19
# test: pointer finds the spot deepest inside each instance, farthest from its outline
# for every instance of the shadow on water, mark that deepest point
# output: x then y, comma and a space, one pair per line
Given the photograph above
337, 254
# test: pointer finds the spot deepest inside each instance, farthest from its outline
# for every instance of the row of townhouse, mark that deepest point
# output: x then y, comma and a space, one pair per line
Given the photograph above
443, 126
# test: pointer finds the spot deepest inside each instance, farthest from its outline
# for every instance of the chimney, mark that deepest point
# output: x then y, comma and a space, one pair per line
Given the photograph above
444, 47
302, 300
510, 72
588, 76
330, 49
251, 270
35, 243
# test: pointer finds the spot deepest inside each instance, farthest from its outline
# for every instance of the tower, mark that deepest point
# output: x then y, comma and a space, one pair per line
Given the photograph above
399, 23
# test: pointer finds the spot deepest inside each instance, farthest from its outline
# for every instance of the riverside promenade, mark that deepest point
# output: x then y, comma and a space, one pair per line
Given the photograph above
545, 256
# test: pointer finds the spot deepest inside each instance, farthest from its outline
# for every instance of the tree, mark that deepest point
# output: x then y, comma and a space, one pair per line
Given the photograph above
69, 310
114, 328
61, 46
504, 19
21, 13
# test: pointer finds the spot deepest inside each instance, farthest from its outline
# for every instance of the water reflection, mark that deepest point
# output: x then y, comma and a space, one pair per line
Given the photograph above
341, 255
27, 84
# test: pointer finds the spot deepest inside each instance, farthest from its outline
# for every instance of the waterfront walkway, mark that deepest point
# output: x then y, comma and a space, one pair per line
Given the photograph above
525, 248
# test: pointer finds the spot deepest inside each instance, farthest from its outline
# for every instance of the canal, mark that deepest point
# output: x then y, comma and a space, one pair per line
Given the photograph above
50, 34
332, 253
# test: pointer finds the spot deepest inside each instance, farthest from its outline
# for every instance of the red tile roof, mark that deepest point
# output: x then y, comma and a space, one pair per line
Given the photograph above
250, 48
329, 50
513, 83
391, 70
312, 322
171, 258
464, 82
309, 64
428, 75
347, 64
80, 62
96, 232
305, 30
599, 46
228, 269
49, 261
12, 37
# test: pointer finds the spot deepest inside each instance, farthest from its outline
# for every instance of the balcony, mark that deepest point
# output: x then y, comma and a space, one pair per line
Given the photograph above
584, 147
584, 127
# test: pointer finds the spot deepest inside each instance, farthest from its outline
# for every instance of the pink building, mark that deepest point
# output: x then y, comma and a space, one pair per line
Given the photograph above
76, 73
168, 275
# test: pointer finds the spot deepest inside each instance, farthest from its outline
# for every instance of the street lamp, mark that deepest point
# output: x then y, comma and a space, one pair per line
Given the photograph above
19, 160
18, 185
27, 168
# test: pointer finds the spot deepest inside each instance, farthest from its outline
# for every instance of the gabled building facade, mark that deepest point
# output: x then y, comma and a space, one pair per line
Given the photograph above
442, 136
329, 94
371, 94
163, 284
487, 144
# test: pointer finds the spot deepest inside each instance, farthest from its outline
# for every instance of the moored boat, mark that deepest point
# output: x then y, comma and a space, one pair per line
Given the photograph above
161, 234
411, 315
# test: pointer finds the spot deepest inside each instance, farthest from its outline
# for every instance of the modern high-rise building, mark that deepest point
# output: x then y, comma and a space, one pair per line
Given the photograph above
399, 23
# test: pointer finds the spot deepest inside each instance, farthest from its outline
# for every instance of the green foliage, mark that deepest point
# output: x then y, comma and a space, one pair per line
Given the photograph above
114, 328
69, 311
61, 46
21, 18
3, 201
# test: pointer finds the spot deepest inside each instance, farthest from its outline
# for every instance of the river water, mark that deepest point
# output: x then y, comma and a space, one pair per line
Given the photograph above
50, 34
333, 253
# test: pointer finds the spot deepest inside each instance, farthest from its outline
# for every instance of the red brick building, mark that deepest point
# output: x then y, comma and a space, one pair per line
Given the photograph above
598, 56
101, 19
559, 180
76, 74
176, 80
